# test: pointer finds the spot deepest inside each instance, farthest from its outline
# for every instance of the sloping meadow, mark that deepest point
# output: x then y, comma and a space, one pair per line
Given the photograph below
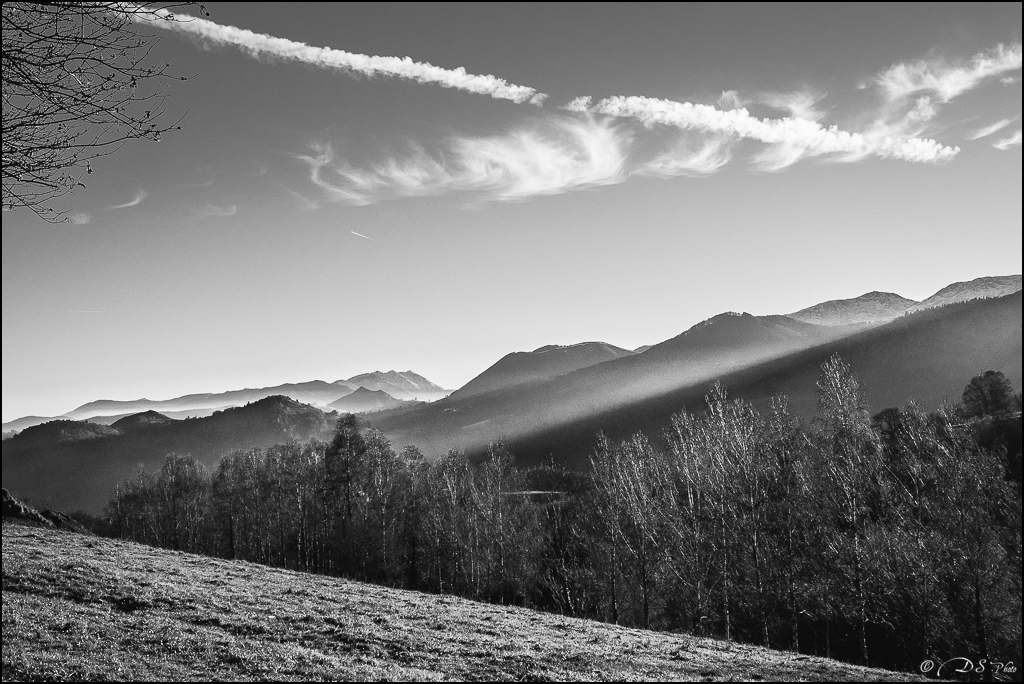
81, 607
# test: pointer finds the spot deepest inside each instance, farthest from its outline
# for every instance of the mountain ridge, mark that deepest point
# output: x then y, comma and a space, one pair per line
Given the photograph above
543, 363
881, 307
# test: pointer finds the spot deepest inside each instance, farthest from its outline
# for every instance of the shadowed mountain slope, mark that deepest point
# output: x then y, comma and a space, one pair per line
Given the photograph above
719, 345
69, 465
541, 364
94, 609
929, 356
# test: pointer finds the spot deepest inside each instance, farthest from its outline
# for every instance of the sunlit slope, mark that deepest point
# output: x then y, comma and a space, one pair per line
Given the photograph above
928, 356
86, 608
717, 346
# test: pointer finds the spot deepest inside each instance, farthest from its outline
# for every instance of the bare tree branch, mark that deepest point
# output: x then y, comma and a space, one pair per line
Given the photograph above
77, 85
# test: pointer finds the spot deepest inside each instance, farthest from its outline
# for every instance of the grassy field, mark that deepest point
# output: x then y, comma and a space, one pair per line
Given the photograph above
80, 607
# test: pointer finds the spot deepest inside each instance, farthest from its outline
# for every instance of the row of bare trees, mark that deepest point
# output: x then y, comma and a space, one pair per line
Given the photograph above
884, 541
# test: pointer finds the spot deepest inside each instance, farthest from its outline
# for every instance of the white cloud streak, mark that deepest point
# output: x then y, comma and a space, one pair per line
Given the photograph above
263, 45
791, 138
1007, 143
989, 130
561, 156
948, 81
139, 196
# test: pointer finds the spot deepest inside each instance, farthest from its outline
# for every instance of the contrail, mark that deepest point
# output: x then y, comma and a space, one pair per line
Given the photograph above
362, 236
802, 136
260, 44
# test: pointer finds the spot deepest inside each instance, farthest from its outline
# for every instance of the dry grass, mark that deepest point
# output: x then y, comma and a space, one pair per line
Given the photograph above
84, 608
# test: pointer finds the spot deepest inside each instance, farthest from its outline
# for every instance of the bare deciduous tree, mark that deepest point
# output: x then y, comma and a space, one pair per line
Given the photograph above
77, 84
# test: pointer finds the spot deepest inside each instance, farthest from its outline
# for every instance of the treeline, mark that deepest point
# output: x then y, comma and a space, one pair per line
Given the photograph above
885, 541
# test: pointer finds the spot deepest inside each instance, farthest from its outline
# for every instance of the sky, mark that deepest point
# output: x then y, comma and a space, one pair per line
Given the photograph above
364, 186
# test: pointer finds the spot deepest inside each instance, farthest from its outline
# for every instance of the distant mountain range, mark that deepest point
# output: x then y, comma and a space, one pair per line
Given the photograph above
928, 356
554, 399
405, 386
722, 345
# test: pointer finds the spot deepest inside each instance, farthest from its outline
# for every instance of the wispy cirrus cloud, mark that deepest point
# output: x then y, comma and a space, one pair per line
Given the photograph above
263, 45
556, 156
139, 196
989, 130
80, 219
691, 157
1007, 143
946, 81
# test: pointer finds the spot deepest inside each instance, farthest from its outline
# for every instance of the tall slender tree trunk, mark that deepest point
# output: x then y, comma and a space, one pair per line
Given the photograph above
726, 593
979, 625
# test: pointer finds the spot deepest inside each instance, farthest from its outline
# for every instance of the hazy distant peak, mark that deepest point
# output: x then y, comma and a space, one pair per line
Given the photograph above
399, 385
365, 400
